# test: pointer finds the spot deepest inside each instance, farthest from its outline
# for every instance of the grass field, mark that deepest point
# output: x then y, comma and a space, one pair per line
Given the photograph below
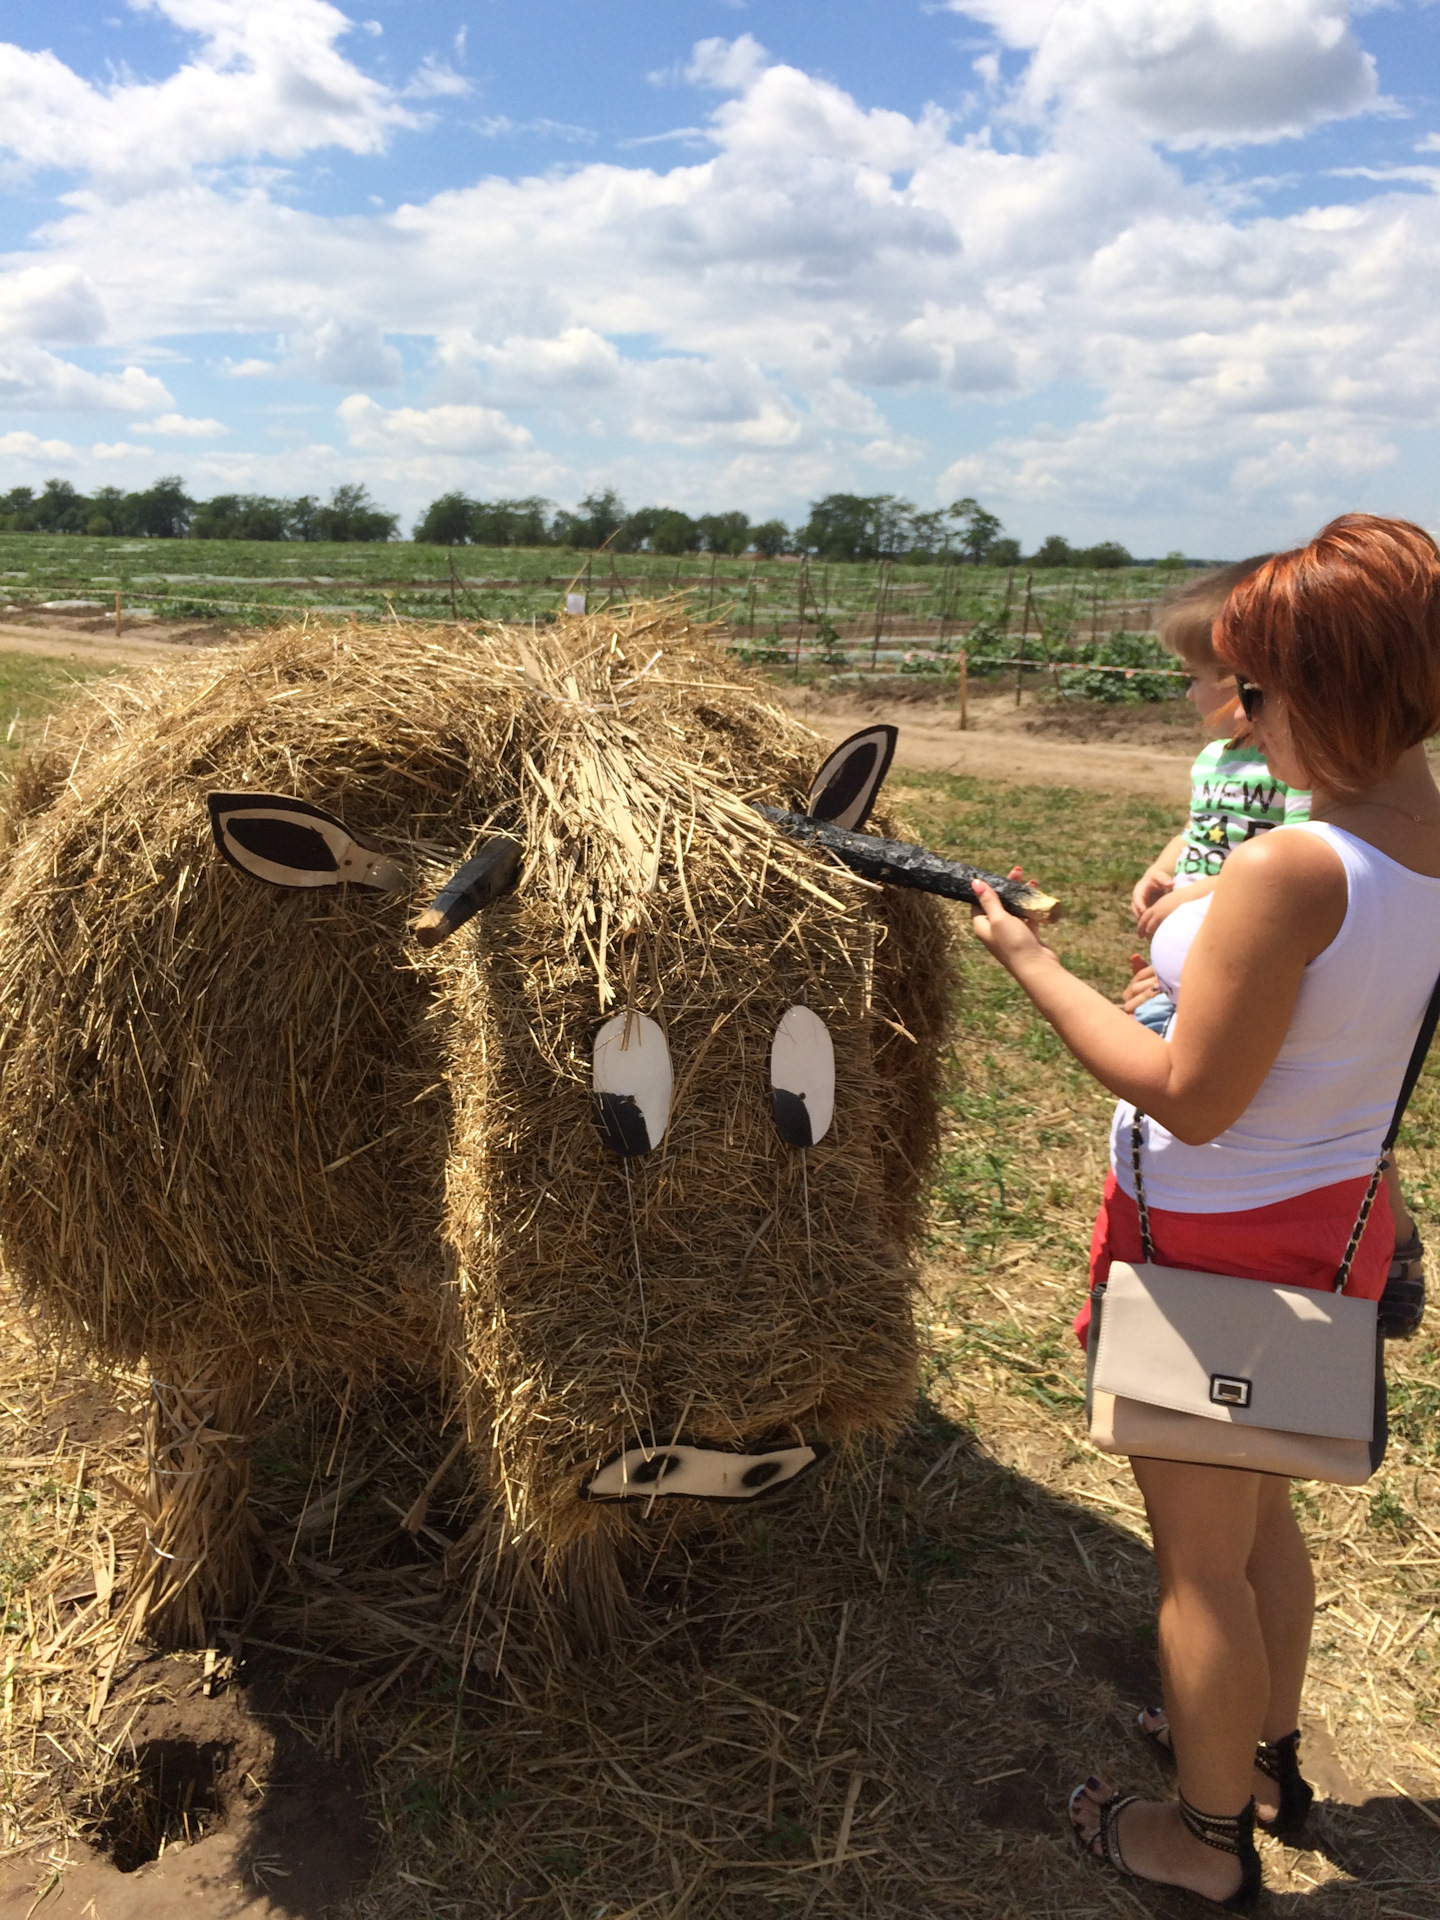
870, 1701
30, 684
845, 611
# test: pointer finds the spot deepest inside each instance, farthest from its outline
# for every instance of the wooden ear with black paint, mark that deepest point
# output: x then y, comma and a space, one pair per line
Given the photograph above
290, 843
844, 789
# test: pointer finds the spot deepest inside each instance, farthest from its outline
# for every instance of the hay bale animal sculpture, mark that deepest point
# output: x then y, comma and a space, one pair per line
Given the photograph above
622, 1135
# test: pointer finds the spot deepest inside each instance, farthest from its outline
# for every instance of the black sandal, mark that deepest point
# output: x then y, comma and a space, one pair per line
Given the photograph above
1402, 1304
1229, 1833
1107, 1835
1233, 1833
1278, 1760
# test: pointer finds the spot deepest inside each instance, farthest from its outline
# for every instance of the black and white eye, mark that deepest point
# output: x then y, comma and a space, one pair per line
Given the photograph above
802, 1078
633, 1083
844, 789
289, 843
698, 1473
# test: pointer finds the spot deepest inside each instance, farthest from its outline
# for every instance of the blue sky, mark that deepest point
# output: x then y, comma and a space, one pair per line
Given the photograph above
1166, 271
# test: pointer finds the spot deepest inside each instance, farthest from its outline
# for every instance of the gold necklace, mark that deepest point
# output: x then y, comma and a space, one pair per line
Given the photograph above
1420, 819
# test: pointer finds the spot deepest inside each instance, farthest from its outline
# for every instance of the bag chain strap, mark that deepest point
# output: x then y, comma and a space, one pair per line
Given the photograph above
1147, 1245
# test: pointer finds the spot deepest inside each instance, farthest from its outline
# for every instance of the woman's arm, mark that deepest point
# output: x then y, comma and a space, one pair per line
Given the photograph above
1279, 901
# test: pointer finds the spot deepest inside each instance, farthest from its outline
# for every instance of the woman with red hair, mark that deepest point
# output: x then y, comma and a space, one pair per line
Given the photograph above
1300, 984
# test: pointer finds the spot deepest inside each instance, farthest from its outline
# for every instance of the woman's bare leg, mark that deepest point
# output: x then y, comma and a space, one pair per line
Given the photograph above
1284, 1587
1280, 1576
1205, 1522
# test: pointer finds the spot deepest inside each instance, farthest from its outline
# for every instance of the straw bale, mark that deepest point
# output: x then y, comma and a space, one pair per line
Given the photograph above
246, 1131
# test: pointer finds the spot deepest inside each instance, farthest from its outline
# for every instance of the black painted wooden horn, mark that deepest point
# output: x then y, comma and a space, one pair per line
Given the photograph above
483, 878
900, 865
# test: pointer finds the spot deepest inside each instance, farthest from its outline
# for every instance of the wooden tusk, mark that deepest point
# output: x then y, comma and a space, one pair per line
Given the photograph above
483, 878
897, 864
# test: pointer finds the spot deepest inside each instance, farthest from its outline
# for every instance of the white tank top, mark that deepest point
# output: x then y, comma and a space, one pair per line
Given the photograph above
1322, 1110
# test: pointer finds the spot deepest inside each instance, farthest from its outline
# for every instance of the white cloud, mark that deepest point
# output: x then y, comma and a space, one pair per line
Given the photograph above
1188, 72
580, 377
445, 429
32, 380
900, 450
435, 80
55, 303
496, 126
729, 66
176, 426
26, 449
577, 358
267, 79
345, 352
1296, 466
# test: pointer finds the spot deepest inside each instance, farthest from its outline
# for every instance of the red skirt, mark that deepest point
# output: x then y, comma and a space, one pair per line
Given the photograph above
1297, 1242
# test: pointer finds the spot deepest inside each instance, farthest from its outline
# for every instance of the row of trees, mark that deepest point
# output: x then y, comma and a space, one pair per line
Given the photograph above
840, 527
601, 520
165, 511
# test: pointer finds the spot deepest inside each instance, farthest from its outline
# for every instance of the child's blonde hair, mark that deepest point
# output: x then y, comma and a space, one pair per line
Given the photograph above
1188, 614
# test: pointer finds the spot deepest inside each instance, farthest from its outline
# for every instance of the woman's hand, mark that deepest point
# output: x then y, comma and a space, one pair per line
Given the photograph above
1013, 941
1143, 984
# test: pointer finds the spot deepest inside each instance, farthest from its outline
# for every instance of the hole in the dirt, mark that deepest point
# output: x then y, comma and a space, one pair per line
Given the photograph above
171, 1793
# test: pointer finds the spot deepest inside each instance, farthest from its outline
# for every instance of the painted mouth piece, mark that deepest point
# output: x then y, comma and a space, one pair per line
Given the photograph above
699, 1473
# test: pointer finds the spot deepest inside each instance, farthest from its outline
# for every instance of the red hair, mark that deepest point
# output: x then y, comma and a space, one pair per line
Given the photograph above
1346, 632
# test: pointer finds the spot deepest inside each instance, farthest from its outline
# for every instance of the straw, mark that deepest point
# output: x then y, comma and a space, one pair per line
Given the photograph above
249, 1133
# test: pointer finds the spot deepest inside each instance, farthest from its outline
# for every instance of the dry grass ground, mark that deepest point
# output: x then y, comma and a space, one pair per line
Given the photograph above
867, 1701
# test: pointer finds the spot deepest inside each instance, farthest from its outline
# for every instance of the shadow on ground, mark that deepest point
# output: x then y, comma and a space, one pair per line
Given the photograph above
868, 1697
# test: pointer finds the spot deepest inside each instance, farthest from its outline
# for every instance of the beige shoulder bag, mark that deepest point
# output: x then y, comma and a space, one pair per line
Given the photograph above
1228, 1372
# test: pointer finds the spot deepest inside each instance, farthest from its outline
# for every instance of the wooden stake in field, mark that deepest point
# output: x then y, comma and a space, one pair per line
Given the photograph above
964, 689
118, 598
1005, 610
800, 627
454, 609
1024, 630
882, 584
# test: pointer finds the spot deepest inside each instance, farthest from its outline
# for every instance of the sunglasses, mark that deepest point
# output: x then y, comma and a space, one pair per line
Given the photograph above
1252, 698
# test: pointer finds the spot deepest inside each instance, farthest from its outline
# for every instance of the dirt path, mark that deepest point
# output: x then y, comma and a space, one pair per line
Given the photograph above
141, 643
1006, 743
